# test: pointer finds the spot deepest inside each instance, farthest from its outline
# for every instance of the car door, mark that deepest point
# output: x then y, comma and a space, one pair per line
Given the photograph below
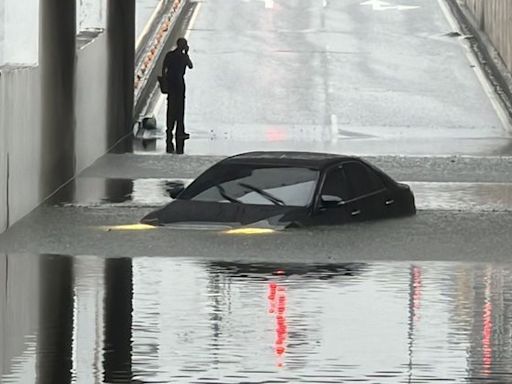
330, 206
367, 193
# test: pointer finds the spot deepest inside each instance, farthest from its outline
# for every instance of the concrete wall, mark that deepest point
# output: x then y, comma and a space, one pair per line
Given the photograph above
19, 29
23, 183
2, 32
20, 142
91, 14
91, 101
495, 19
3, 157
59, 117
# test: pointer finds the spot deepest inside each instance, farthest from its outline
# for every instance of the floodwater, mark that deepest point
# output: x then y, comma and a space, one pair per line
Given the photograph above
154, 192
178, 320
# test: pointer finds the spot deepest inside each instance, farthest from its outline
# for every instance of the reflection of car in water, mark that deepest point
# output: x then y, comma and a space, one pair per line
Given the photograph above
302, 271
287, 189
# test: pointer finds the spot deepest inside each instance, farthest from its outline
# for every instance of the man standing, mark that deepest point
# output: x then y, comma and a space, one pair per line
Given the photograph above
175, 65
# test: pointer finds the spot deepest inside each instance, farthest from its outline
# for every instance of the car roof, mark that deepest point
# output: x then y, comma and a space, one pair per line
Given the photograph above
306, 159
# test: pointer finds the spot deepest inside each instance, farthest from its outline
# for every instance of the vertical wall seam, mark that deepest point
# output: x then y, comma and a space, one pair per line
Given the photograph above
8, 209
6, 276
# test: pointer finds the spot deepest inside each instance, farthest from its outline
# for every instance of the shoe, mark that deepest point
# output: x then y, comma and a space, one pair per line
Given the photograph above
183, 136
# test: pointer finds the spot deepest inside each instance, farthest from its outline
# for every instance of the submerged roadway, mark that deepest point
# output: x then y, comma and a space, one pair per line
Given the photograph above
419, 299
388, 84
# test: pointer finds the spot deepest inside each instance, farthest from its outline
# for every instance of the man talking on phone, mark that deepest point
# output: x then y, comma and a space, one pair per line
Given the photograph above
174, 67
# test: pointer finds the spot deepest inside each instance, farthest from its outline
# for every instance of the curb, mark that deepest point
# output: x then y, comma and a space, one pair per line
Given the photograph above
486, 54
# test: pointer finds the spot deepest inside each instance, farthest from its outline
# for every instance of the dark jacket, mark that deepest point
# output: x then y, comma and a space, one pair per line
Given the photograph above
175, 65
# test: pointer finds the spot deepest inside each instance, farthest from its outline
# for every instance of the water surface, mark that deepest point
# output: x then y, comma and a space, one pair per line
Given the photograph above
178, 320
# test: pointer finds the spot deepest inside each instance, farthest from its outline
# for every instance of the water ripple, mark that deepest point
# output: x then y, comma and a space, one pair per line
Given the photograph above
169, 320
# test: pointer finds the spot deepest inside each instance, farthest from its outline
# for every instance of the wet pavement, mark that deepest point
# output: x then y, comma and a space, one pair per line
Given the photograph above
471, 169
144, 12
182, 320
334, 77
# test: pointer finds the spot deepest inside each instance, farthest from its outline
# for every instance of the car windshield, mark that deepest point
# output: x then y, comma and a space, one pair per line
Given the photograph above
254, 184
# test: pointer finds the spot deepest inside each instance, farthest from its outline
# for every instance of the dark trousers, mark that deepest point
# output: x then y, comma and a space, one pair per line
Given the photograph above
175, 113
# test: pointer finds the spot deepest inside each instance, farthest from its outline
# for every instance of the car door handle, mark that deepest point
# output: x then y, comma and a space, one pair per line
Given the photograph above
390, 201
355, 212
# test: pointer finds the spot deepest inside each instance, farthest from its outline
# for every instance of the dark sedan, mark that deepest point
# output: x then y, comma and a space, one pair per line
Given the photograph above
282, 189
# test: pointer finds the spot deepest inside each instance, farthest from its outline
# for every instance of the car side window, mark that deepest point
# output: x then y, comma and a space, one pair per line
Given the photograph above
361, 179
335, 184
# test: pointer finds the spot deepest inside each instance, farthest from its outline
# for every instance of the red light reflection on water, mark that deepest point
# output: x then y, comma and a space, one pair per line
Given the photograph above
486, 338
416, 293
277, 299
487, 329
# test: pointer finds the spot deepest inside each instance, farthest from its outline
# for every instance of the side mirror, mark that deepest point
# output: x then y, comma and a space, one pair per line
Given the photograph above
330, 201
174, 188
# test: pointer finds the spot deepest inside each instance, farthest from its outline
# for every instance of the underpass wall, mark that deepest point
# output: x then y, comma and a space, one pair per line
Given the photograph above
20, 142
91, 100
23, 183
60, 115
494, 17
3, 158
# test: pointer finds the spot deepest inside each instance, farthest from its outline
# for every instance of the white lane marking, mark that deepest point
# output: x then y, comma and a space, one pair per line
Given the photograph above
380, 5
148, 24
475, 64
334, 127
193, 19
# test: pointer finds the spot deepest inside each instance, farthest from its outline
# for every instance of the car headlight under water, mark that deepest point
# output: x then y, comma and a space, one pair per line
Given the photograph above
130, 227
249, 231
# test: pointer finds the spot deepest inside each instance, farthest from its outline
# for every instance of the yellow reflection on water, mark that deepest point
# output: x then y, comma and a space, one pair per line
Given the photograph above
249, 231
130, 227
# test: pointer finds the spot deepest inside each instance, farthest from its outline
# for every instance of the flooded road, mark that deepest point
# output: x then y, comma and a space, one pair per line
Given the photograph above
464, 214
421, 299
154, 192
180, 320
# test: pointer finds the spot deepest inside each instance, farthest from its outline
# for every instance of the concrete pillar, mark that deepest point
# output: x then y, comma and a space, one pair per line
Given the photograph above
57, 62
121, 51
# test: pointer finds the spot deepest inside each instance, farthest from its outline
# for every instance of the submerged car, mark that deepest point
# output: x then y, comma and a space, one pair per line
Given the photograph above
283, 189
